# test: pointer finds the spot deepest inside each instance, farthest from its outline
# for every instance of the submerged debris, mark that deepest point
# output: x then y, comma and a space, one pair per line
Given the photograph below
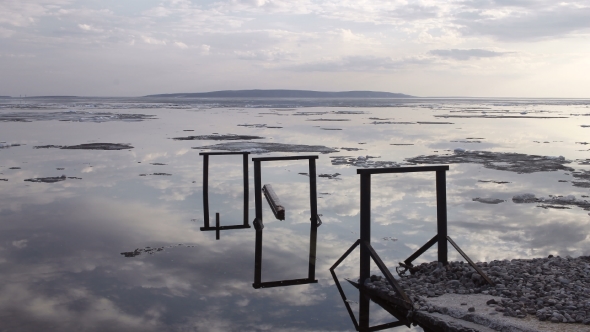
88, 146
256, 147
229, 137
513, 162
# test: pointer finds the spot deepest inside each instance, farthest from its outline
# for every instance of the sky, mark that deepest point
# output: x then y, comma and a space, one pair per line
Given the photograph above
475, 48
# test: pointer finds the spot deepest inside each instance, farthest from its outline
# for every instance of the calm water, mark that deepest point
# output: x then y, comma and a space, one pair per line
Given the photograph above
61, 242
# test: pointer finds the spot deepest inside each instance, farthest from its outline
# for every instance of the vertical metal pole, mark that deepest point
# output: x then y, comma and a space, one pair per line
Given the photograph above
441, 215
206, 190
313, 235
365, 264
246, 190
217, 230
258, 245
258, 190
364, 306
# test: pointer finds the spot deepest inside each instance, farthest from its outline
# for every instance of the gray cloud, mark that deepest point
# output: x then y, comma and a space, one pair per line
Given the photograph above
523, 20
463, 55
359, 63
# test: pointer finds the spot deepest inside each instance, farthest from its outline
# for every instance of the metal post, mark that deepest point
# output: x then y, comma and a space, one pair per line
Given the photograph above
246, 190
258, 258
313, 200
217, 226
258, 203
364, 306
441, 215
206, 190
365, 264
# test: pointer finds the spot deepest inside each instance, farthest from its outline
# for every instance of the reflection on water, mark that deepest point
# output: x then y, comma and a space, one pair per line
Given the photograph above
61, 242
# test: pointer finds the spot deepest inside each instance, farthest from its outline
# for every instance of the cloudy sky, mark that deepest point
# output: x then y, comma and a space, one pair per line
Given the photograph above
501, 48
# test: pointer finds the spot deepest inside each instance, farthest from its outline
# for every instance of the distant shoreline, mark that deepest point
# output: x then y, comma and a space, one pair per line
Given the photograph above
282, 94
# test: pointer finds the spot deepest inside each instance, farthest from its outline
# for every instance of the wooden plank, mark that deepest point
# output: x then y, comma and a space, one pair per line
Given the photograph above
274, 202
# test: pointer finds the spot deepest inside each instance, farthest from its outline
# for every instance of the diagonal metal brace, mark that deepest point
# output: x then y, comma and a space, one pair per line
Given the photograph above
399, 290
481, 273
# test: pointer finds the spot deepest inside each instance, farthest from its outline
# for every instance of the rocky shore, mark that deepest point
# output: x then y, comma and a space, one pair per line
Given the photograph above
552, 289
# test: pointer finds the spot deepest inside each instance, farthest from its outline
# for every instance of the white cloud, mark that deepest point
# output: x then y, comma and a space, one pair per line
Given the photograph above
181, 45
457, 54
152, 41
20, 243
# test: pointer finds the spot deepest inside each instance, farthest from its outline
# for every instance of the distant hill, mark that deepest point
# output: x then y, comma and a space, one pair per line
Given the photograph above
5, 97
284, 94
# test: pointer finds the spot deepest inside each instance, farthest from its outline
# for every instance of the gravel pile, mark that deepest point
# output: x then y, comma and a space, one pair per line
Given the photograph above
552, 289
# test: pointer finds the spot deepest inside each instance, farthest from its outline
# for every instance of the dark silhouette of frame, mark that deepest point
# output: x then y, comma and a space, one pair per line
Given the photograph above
217, 227
315, 222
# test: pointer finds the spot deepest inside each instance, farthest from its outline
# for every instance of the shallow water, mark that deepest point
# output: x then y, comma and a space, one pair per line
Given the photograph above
61, 242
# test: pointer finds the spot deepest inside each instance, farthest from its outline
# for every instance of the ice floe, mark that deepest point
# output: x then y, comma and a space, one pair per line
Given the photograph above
513, 162
258, 147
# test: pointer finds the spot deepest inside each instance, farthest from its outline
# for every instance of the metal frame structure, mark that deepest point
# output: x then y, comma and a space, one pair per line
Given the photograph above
259, 225
217, 227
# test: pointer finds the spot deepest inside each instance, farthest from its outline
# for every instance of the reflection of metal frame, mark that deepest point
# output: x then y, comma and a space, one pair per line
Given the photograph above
206, 192
364, 305
259, 225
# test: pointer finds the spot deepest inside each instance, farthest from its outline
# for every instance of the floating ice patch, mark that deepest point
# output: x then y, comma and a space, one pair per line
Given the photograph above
88, 146
258, 125
488, 200
487, 116
552, 201
391, 122
4, 145
328, 119
513, 162
256, 147
230, 137
362, 161
48, 179
433, 122
73, 116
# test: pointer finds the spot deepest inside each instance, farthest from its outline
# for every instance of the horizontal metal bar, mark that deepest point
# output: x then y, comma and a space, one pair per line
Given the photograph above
282, 283
205, 229
221, 153
356, 243
481, 273
422, 250
284, 158
410, 169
